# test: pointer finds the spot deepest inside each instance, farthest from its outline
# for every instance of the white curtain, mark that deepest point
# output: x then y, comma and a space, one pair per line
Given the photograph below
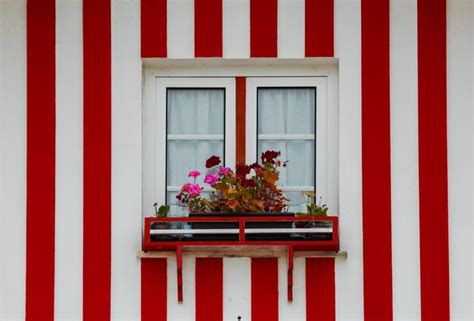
192, 112
289, 111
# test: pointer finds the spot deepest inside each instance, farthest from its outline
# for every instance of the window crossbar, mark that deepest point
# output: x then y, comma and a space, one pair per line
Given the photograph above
195, 137
286, 137
296, 188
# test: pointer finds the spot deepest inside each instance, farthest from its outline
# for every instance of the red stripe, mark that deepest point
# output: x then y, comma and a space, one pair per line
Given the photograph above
320, 290
97, 160
264, 278
154, 289
319, 28
240, 83
433, 177
376, 193
40, 150
208, 28
209, 289
263, 28
153, 28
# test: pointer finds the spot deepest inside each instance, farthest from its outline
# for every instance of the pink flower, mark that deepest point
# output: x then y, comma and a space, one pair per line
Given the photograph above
185, 187
194, 174
211, 179
224, 170
194, 189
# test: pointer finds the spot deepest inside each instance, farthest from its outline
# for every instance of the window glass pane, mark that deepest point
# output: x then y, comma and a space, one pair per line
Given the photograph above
192, 112
287, 112
195, 111
300, 155
186, 155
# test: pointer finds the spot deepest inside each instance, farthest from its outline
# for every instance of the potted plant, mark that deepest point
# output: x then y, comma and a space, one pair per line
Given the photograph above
250, 190
161, 211
314, 209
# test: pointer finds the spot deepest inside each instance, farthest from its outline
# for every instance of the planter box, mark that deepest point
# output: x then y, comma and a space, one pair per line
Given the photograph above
234, 225
315, 224
247, 231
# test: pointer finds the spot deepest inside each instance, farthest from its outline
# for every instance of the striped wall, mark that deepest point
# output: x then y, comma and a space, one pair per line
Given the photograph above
71, 165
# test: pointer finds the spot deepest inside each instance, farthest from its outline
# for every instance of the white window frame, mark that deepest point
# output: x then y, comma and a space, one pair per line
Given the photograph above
159, 125
321, 156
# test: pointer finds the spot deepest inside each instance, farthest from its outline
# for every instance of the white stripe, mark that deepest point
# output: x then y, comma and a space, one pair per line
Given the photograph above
347, 45
69, 147
126, 159
236, 28
237, 282
291, 30
184, 311
460, 88
295, 310
12, 158
404, 159
180, 27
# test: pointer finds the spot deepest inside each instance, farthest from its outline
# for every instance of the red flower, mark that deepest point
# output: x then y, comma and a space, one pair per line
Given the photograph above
248, 183
242, 170
213, 161
269, 156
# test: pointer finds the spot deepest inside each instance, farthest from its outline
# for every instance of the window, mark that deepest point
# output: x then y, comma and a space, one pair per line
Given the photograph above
189, 114
288, 115
195, 130
193, 119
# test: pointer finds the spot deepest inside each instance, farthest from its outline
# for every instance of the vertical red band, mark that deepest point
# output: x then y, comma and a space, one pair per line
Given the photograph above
240, 83
264, 278
153, 28
320, 290
40, 150
154, 289
263, 28
376, 187
97, 160
208, 28
319, 28
433, 177
209, 289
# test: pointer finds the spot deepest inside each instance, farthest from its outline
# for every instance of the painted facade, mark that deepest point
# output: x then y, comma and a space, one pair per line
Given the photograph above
72, 86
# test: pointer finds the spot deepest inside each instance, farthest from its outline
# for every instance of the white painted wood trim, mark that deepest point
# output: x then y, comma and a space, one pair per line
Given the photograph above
236, 231
194, 231
286, 136
195, 137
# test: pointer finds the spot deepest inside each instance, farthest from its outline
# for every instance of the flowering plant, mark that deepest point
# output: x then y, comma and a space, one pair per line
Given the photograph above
251, 188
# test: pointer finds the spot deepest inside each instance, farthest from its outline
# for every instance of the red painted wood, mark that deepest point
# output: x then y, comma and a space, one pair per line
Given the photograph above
433, 167
320, 290
319, 28
154, 289
264, 289
263, 28
40, 162
97, 159
376, 187
240, 106
153, 28
179, 272
290, 266
209, 289
208, 28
